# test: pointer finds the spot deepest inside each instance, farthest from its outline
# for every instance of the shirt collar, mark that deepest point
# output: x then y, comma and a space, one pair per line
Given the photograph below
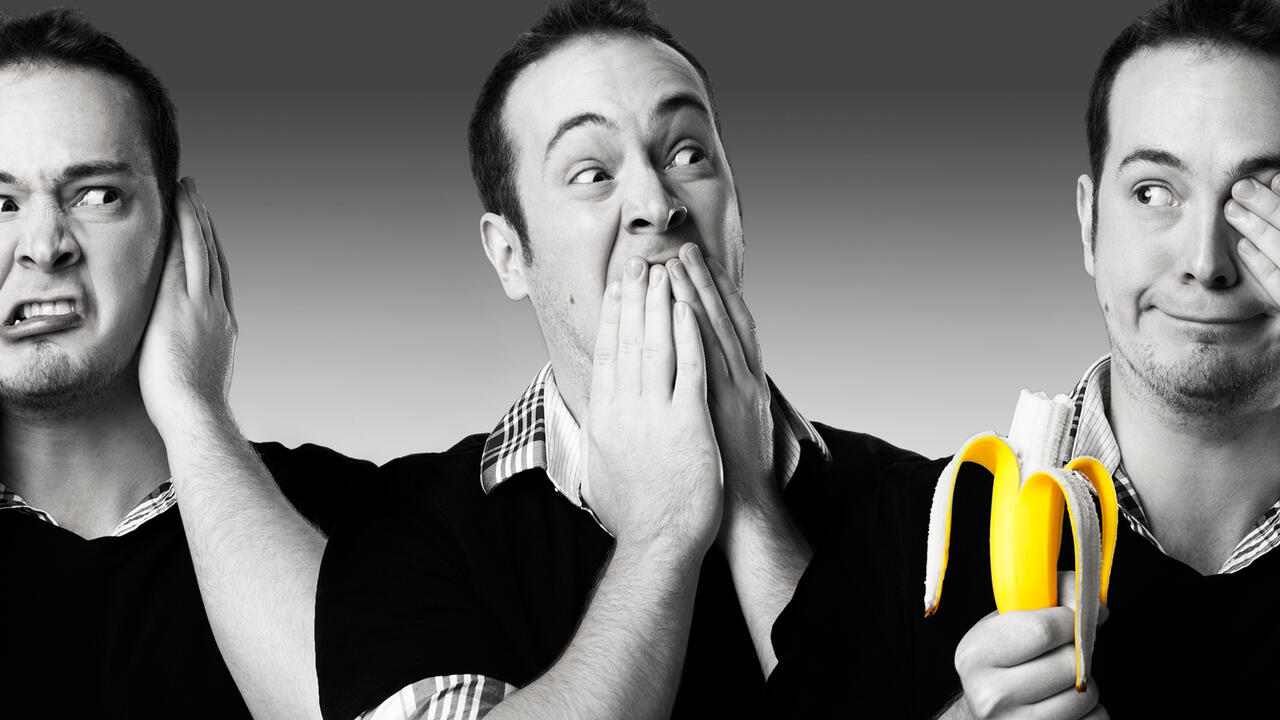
150, 507
1093, 437
540, 432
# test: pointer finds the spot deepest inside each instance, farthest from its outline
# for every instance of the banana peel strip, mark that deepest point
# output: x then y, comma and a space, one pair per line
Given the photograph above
1026, 528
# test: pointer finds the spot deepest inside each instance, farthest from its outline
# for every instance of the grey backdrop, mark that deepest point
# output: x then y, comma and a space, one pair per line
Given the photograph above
907, 172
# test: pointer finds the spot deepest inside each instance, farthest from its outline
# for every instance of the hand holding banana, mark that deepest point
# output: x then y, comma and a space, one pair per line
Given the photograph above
1031, 486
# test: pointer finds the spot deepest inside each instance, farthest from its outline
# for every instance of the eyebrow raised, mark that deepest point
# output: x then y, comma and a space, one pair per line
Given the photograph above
576, 121
676, 103
1154, 155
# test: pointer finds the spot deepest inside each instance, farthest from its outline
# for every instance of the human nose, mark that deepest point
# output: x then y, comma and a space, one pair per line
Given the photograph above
650, 207
1208, 257
46, 243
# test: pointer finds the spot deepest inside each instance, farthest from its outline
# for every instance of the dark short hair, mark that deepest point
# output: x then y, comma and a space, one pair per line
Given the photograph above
493, 154
64, 38
1248, 25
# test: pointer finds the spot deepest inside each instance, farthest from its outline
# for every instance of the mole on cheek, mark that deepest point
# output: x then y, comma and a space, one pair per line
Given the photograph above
570, 298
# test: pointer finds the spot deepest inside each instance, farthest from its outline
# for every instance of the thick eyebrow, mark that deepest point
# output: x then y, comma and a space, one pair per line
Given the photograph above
676, 103
1253, 166
577, 121
7, 179
92, 168
1153, 155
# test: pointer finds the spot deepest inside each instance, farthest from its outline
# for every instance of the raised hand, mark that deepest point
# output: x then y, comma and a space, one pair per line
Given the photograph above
1254, 210
739, 392
654, 468
187, 351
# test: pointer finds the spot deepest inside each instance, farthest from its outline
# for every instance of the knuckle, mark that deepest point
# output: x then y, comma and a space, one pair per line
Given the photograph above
628, 344
983, 701
604, 358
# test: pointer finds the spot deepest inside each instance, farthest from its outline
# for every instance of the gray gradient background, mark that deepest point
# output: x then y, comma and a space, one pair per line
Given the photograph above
907, 172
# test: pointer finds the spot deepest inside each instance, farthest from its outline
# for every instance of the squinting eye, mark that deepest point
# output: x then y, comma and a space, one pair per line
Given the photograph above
8, 205
586, 177
687, 156
1154, 195
98, 196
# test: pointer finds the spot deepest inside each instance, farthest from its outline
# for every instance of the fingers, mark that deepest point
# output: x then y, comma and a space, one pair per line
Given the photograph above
211, 248
605, 364
691, 372
195, 255
1012, 638
631, 326
744, 324
223, 268
717, 317
658, 353
1254, 210
683, 290
1069, 703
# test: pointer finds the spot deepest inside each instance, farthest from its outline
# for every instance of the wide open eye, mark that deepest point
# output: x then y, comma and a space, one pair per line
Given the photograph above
1155, 196
688, 155
7, 205
97, 197
590, 175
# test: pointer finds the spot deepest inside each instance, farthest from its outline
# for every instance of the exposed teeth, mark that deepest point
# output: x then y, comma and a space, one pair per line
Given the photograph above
35, 309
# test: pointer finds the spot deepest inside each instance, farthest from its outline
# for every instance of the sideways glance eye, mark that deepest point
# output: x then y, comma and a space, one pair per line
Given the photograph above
593, 175
98, 196
1154, 196
687, 156
8, 205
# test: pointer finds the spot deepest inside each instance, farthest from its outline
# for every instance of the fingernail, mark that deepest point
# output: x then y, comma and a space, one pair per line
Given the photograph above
1247, 247
613, 292
676, 268
695, 255
635, 268
1245, 188
656, 274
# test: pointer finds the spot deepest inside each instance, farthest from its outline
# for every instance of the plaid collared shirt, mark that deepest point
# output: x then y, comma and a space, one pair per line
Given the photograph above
539, 432
1094, 438
152, 506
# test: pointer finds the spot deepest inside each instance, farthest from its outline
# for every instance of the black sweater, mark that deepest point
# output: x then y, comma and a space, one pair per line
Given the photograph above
115, 627
1176, 644
446, 580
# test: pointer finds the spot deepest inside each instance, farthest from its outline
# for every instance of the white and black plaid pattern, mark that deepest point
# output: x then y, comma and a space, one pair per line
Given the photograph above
1094, 438
152, 506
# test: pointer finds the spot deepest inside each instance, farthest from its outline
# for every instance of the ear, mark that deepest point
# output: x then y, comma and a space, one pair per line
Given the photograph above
502, 247
1084, 211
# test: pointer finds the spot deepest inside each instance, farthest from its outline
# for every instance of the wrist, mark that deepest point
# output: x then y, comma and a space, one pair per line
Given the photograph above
660, 555
198, 430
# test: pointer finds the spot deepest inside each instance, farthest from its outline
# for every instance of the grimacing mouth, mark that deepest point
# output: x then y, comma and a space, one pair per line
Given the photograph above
30, 309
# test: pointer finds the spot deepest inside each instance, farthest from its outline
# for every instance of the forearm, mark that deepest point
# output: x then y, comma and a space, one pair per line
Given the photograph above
256, 561
626, 657
767, 555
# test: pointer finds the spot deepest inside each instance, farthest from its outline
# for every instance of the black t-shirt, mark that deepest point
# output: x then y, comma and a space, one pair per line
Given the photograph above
1176, 644
114, 627
446, 580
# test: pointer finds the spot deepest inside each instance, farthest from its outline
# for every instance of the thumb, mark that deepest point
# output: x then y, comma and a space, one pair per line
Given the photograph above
1067, 594
1067, 589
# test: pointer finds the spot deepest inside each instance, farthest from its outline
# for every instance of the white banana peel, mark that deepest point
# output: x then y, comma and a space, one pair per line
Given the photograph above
1031, 487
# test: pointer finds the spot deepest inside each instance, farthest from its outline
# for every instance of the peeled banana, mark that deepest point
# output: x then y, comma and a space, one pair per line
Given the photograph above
1031, 486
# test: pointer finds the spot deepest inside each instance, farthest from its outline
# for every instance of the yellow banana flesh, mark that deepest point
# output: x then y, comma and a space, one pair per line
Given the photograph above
1030, 491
